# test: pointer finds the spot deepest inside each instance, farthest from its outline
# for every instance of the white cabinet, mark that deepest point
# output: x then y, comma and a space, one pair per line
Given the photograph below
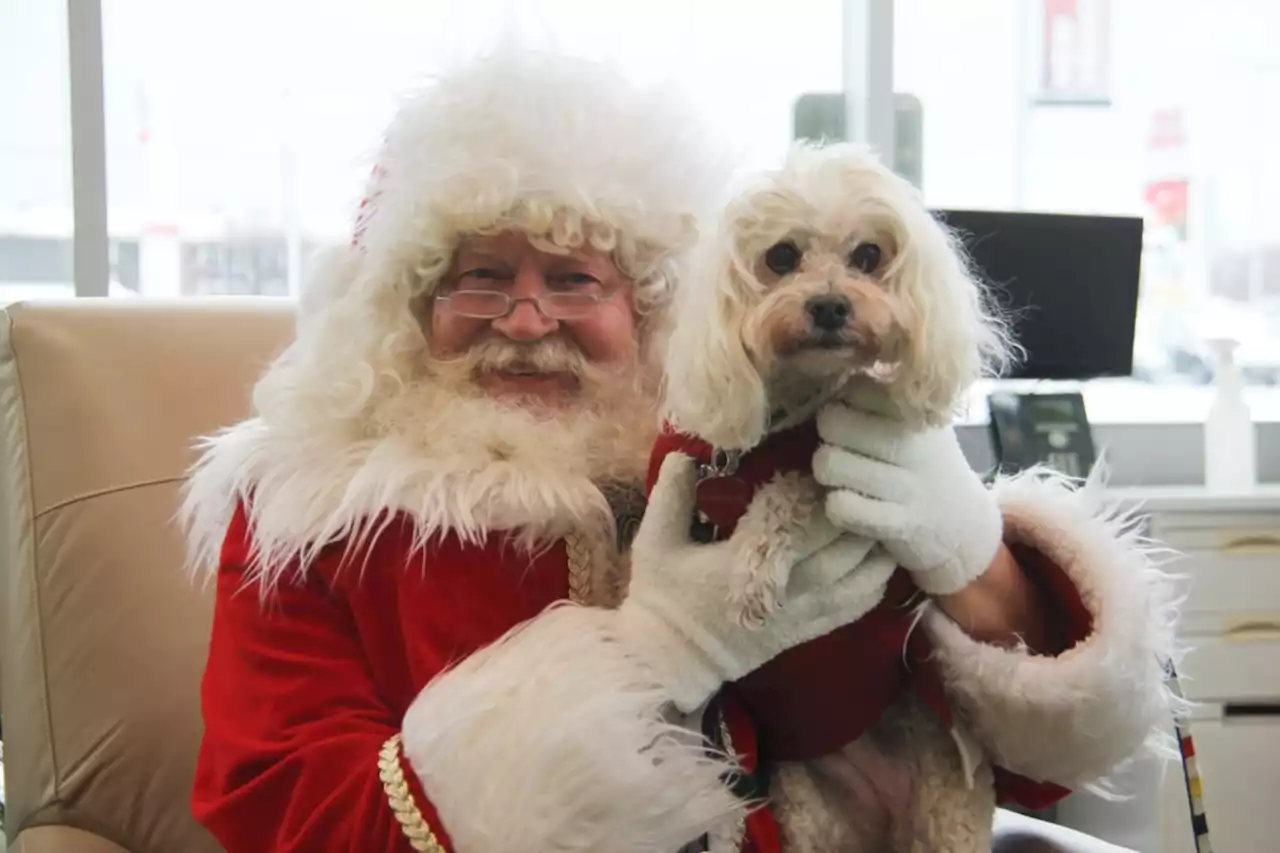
1229, 552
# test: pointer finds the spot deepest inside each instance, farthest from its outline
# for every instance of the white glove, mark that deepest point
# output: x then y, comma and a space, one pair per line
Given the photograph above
912, 490
677, 616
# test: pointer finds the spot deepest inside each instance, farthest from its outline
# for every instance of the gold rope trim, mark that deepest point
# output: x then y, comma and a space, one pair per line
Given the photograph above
740, 825
578, 551
412, 823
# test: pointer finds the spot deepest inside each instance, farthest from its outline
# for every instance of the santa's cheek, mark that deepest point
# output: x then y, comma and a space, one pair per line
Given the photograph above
607, 338
451, 334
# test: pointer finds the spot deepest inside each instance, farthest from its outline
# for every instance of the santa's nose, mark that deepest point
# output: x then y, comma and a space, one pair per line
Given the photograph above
526, 322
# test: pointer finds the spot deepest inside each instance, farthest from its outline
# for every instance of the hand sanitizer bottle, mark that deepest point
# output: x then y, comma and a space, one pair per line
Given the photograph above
1229, 454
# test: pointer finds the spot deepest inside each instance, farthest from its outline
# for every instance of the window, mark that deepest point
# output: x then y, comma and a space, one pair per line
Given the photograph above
239, 134
35, 152
1162, 109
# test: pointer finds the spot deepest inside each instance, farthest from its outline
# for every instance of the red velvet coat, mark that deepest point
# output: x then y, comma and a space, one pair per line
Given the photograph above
304, 688
301, 691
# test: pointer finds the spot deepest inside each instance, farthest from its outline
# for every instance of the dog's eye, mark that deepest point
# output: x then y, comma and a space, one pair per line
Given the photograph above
865, 257
782, 257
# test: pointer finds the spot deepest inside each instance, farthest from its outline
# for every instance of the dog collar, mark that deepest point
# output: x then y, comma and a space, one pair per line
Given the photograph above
728, 479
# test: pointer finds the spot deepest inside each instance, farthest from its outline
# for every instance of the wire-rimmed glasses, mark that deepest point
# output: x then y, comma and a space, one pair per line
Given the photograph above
495, 304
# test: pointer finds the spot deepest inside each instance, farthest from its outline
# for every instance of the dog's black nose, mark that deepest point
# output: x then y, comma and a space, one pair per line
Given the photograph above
828, 313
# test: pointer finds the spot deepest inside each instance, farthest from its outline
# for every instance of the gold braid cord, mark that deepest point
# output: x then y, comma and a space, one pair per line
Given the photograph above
414, 825
594, 569
740, 825
578, 549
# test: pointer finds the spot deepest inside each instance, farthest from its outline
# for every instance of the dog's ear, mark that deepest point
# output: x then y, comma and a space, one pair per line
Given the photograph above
711, 386
953, 334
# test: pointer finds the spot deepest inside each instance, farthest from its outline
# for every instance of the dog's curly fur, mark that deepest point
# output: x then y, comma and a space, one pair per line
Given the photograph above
920, 321
832, 227
829, 268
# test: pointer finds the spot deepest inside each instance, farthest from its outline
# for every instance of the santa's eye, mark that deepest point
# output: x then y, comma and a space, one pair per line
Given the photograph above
865, 257
783, 258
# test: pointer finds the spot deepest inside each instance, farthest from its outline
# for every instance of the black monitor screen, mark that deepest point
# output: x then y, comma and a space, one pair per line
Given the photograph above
1071, 283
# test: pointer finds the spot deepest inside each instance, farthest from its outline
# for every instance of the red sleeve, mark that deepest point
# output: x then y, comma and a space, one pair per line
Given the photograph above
1070, 624
1027, 793
293, 724
1069, 619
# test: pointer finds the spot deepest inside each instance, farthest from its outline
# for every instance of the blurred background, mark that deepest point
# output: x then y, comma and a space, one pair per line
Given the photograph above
238, 135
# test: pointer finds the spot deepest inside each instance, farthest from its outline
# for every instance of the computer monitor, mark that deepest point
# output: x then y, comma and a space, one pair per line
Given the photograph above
1070, 282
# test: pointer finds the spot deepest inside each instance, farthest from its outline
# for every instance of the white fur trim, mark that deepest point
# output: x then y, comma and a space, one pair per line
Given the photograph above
553, 739
336, 268
307, 486
1072, 719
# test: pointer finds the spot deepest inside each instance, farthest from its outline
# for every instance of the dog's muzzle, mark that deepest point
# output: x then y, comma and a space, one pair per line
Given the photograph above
828, 313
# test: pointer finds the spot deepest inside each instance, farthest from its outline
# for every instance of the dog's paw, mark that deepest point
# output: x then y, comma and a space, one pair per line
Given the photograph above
775, 518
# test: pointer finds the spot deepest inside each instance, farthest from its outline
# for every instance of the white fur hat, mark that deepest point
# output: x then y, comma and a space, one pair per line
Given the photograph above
564, 149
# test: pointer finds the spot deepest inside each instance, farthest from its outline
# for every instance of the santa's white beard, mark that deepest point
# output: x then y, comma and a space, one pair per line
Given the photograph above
603, 432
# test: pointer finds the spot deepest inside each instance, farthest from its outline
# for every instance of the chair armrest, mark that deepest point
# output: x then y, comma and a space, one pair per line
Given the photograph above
1018, 833
61, 839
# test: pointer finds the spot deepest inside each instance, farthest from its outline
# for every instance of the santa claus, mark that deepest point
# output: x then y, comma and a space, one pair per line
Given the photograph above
437, 627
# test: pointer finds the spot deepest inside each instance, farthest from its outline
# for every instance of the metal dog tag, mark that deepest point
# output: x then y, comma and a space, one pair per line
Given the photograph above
721, 497
722, 500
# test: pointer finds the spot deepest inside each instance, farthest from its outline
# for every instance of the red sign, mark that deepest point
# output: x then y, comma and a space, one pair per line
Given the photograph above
1167, 205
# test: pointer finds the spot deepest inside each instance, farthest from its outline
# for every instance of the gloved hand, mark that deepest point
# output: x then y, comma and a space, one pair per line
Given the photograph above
912, 490
677, 615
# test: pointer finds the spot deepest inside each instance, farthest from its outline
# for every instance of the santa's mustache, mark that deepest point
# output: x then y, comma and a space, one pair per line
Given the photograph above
549, 356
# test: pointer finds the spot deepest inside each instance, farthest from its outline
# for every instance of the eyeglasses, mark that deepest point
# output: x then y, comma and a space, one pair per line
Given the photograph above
494, 304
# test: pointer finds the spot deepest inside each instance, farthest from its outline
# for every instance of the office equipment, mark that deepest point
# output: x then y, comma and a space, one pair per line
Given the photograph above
1041, 429
1070, 283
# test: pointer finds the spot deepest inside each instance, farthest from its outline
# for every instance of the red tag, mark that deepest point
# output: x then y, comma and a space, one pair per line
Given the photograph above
723, 500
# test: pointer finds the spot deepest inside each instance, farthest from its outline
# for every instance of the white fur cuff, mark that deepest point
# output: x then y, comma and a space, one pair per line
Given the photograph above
553, 739
1100, 700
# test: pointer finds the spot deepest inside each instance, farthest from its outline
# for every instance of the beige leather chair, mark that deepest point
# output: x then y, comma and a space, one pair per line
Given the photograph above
102, 636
